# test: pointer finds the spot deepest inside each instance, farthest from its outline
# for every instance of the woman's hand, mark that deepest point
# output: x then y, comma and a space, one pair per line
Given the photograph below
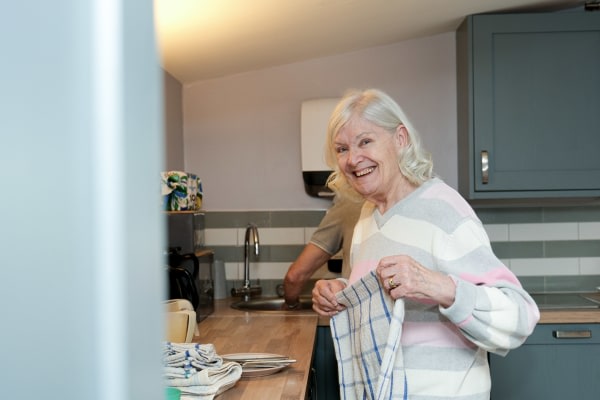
323, 297
402, 276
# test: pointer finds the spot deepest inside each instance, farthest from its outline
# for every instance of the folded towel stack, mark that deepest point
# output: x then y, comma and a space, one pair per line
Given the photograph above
198, 371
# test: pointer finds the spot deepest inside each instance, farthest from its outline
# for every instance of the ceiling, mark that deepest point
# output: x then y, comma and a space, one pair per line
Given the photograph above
205, 39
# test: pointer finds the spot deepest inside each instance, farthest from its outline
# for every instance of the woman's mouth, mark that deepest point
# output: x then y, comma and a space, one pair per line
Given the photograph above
364, 172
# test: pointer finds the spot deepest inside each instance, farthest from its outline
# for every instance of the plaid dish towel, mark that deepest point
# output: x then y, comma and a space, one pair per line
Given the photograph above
366, 338
206, 384
197, 370
190, 355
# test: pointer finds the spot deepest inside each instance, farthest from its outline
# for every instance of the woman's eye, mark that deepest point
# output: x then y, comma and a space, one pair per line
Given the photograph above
340, 149
365, 142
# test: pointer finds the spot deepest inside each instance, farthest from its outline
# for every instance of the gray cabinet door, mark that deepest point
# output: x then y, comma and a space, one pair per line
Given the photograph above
325, 367
550, 367
530, 99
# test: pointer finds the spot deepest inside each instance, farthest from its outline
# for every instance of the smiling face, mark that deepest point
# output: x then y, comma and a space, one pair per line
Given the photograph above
367, 155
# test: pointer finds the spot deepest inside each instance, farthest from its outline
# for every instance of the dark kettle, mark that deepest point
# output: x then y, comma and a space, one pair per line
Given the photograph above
182, 282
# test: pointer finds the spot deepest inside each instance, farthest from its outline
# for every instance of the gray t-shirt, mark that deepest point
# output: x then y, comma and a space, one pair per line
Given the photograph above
335, 230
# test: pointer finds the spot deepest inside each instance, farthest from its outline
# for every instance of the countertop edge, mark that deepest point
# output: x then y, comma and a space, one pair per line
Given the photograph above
569, 316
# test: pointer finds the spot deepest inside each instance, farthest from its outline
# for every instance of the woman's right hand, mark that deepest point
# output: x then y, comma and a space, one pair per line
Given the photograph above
323, 297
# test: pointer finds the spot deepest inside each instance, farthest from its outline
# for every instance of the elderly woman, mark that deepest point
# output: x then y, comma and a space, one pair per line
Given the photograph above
426, 298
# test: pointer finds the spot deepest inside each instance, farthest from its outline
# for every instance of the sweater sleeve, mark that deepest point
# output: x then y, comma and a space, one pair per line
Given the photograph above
496, 319
491, 308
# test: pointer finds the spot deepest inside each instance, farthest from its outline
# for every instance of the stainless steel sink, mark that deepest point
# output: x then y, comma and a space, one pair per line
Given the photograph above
557, 301
270, 304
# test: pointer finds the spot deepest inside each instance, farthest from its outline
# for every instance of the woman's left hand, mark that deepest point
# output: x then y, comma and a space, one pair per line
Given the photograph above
323, 297
403, 276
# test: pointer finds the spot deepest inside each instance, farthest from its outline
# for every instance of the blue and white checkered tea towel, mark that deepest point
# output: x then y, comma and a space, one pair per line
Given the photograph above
198, 371
366, 338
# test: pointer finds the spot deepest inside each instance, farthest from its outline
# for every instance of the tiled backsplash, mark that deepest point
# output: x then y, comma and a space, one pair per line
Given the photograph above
554, 248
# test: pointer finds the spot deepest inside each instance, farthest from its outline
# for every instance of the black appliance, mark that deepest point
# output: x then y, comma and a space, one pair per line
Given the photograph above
189, 277
189, 265
186, 230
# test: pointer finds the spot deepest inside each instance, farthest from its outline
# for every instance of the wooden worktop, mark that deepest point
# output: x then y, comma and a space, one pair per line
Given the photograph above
567, 316
292, 334
572, 316
287, 333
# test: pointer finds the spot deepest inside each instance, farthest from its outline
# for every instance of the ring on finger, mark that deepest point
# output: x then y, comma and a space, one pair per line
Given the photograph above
392, 283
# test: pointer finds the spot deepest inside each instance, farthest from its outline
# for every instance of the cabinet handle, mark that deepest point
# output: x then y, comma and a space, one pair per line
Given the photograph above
484, 167
583, 334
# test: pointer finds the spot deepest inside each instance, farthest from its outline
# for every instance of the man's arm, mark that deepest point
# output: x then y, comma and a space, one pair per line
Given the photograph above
311, 258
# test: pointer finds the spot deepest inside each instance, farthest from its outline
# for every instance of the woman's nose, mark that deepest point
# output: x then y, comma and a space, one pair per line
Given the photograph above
354, 156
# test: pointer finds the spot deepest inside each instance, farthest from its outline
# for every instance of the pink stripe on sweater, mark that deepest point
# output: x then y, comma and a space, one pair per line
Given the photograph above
361, 269
434, 334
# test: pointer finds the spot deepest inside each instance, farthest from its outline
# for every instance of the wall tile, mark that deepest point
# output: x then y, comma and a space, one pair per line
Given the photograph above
589, 266
574, 283
274, 219
268, 271
545, 266
589, 230
497, 232
279, 236
271, 271
572, 248
550, 248
296, 218
220, 237
571, 214
233, 253
232, 271
224, 219
533, 283
518, 249
538, 232
509, 215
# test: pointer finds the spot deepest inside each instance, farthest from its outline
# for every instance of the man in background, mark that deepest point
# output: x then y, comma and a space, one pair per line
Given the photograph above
334, 233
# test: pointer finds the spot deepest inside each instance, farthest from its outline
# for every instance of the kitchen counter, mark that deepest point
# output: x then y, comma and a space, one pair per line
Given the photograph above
573, 315
288, 333
570, 316
292, 333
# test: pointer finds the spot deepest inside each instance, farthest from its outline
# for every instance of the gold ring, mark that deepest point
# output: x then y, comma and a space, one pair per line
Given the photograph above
391, 282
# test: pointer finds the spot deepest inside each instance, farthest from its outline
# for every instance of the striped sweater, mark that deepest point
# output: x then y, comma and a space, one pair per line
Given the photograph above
445, 349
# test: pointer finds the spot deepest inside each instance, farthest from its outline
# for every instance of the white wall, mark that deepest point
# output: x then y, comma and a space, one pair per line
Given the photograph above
242, 133
173, 123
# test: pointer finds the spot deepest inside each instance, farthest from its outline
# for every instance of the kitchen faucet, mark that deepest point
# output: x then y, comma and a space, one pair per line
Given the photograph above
246, 290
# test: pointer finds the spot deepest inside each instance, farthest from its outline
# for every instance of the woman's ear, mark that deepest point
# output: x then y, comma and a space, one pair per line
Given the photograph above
401, 136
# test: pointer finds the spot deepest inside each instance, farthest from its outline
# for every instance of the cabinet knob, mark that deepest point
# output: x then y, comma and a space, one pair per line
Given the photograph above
484, 167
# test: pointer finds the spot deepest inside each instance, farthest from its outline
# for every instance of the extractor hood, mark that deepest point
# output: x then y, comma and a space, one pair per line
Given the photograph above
314, 119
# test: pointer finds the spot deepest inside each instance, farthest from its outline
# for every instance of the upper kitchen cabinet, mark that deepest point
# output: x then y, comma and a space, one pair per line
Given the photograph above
529, 106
